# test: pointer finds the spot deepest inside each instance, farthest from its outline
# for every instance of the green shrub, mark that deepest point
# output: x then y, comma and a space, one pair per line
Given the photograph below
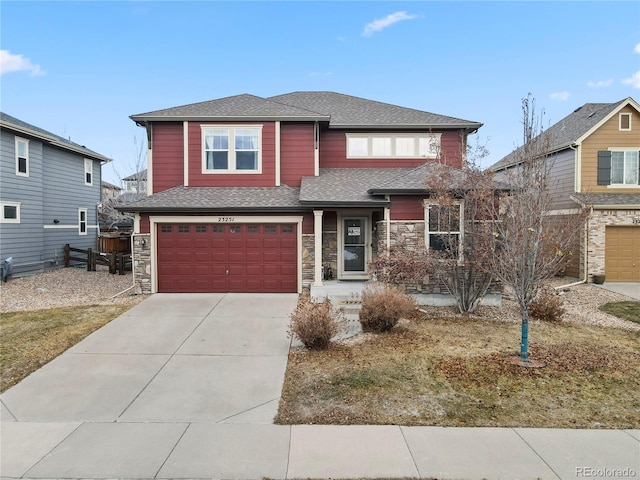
314, 324
383, 305
547, 306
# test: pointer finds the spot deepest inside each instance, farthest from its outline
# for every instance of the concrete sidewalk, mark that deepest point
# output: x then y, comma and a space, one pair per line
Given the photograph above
186, 386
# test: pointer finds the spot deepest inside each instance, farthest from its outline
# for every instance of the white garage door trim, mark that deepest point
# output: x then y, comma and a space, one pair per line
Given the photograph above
219, 219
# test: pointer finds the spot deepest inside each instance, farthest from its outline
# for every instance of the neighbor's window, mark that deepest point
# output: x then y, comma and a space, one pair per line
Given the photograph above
22, 157
625, 121
82, 221
443, 228
88, 171
361, 145
232, 149
10, 212
624, 167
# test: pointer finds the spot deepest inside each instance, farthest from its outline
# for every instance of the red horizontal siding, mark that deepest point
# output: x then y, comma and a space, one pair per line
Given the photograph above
167, 157
333, 152
265, 179
407, 207
296, 152
145, 224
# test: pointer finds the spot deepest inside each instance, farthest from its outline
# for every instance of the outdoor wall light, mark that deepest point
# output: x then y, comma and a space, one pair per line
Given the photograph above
55, 220
143, 242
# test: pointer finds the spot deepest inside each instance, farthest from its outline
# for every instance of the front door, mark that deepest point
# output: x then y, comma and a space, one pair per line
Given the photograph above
354, 243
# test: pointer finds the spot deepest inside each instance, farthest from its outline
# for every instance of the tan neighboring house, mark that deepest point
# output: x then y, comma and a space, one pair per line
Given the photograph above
595, 153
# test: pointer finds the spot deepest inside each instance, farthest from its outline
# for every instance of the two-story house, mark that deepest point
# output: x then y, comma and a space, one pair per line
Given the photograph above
49, 196
595, 162
251, 194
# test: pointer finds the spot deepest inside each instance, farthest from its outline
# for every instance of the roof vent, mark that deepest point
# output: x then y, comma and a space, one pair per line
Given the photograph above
577, 109
591, 114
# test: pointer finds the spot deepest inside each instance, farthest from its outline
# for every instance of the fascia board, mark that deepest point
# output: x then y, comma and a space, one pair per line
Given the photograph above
407, 126
54, 141
228, 118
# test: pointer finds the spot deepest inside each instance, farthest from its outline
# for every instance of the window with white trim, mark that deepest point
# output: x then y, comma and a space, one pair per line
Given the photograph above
82, 221
88, 171
232, 149
10, 212
443, 228
624, 167
22, 157
625, 122
364, 145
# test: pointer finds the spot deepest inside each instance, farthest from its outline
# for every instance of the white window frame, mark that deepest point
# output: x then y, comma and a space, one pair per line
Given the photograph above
232, 149
17, 143
3, 219
624, 150
431, 151
88, 170
459, 233
84, 222
625, 114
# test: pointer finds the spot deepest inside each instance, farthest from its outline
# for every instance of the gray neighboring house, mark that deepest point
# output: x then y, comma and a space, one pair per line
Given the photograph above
50, 189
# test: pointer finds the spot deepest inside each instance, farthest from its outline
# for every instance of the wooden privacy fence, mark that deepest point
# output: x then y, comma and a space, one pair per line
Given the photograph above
117, 262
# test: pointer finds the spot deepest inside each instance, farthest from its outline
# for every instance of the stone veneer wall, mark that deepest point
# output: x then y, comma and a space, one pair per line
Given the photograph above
410, 235
142, 262
330, 251
598, 221
308, 259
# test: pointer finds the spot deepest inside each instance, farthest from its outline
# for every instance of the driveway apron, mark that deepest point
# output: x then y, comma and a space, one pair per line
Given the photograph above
117, 403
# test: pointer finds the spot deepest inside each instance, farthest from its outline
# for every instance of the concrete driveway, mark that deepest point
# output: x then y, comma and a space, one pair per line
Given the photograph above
120, 400
630, 289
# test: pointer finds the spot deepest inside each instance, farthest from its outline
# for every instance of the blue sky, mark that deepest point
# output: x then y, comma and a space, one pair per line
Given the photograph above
80, 69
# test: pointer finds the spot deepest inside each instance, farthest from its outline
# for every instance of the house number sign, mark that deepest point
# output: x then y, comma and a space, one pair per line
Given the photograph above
226, 219
635, 221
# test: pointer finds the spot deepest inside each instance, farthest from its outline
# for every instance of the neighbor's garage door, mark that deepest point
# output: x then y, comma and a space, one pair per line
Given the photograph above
227, 257
622, 254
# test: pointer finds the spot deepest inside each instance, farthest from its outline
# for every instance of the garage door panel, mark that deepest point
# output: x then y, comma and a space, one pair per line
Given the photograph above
227, 258
622, 254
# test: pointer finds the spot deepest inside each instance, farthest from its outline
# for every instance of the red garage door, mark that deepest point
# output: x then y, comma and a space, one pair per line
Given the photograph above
227, 257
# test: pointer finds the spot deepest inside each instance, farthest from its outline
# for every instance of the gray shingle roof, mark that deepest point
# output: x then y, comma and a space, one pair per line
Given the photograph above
218, 199
134, 177
338, 109
241, 107
567, 131
608, 199
350, 111
346, 186
9, 122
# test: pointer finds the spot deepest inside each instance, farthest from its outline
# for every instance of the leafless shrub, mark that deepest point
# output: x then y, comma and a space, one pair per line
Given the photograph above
383, 305
314, 324
547, 306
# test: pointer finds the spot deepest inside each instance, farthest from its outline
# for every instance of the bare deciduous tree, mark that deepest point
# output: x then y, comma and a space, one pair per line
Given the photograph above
531, 245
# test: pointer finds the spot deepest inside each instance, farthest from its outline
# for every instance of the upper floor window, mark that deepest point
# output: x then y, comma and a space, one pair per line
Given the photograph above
619, 167
82, 221
232, 149
444, 228
624, 168
393, 145
88, 171
625, 121
22, 157
10, 212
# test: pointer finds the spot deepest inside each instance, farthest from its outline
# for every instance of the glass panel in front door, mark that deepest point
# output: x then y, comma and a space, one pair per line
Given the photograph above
354, 237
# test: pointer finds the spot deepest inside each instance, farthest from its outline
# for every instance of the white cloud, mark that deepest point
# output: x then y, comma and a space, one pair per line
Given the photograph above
634, 80
382, 23
601, 83
560, 96
637, 49
17, 63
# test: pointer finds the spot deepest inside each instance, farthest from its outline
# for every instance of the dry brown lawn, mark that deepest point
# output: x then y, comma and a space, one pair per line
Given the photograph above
456, 371
30, 339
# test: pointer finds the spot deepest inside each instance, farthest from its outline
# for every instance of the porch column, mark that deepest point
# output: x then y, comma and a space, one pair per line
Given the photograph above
317, 232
